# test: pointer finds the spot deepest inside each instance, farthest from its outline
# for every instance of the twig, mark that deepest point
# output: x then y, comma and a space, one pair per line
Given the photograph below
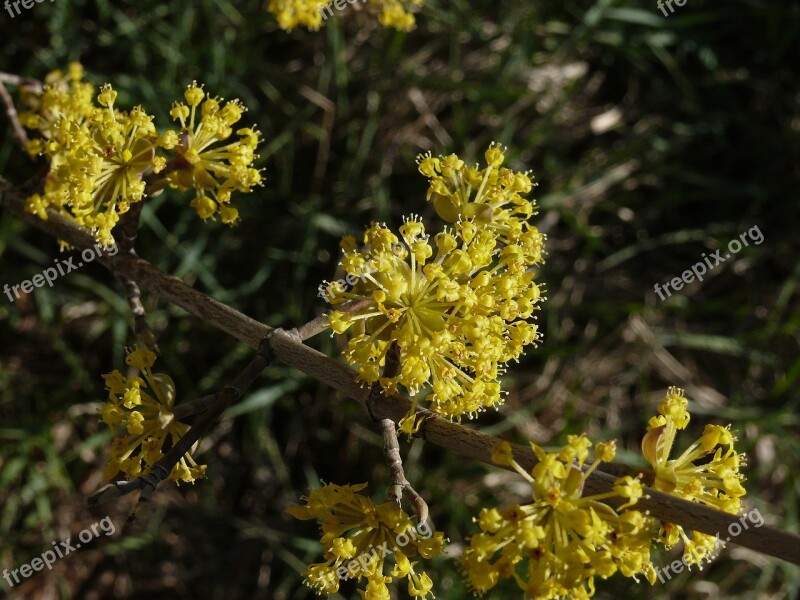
33, 85
140, 327
461, 440
128, 233
187, 409
314, 327
13, 117
129, 229
398, 483
11, 110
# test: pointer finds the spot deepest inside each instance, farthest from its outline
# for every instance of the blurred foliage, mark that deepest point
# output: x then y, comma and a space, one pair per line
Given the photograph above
654, 140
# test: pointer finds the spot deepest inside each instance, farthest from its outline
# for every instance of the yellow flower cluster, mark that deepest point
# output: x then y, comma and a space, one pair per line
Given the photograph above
706, 472
490, 197
140, 410
103, 159
214, 171
396, 13
555, 546
97, 155
294, 13
311, 14
358, 536
455, 307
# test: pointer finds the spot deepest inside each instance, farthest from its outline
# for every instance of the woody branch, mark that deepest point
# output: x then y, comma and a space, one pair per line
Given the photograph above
462, 440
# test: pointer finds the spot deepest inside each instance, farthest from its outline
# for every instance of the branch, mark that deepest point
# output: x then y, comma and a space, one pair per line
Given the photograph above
398, 483
461, 440
11, 111
140, 327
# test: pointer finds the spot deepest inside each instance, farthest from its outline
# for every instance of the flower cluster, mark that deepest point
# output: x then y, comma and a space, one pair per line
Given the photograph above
455, 307
556, 545
103, 159
358, 537
706, 472
312, 13
140, 410
490, 197
212, 167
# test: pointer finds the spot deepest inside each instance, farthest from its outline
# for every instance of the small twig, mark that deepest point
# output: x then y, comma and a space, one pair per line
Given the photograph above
128, 232
398, 483
320, 323
11, 110
13, 117
314, 327
33, 85
129, 227
140, 327
391, 453
187, 409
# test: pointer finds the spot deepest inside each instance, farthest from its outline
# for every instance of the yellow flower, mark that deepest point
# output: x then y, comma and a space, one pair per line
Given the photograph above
554, 546
293, 13
215, 171
358, 536
144, 407
312, 14
62, 97
706, 472
491, 197
98, 155
456, 309
396, 13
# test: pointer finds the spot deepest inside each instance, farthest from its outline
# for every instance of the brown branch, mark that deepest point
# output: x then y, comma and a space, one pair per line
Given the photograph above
129, 229
187, 409
26, 82
13, 118
314, 327
398, 483
140, 327
11, 110
460, 439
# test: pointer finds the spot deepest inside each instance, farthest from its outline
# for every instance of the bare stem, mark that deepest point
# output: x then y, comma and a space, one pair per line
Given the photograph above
187, 409
11, 110
140, 327
13, 117
26, 82
314, 327
398, 483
